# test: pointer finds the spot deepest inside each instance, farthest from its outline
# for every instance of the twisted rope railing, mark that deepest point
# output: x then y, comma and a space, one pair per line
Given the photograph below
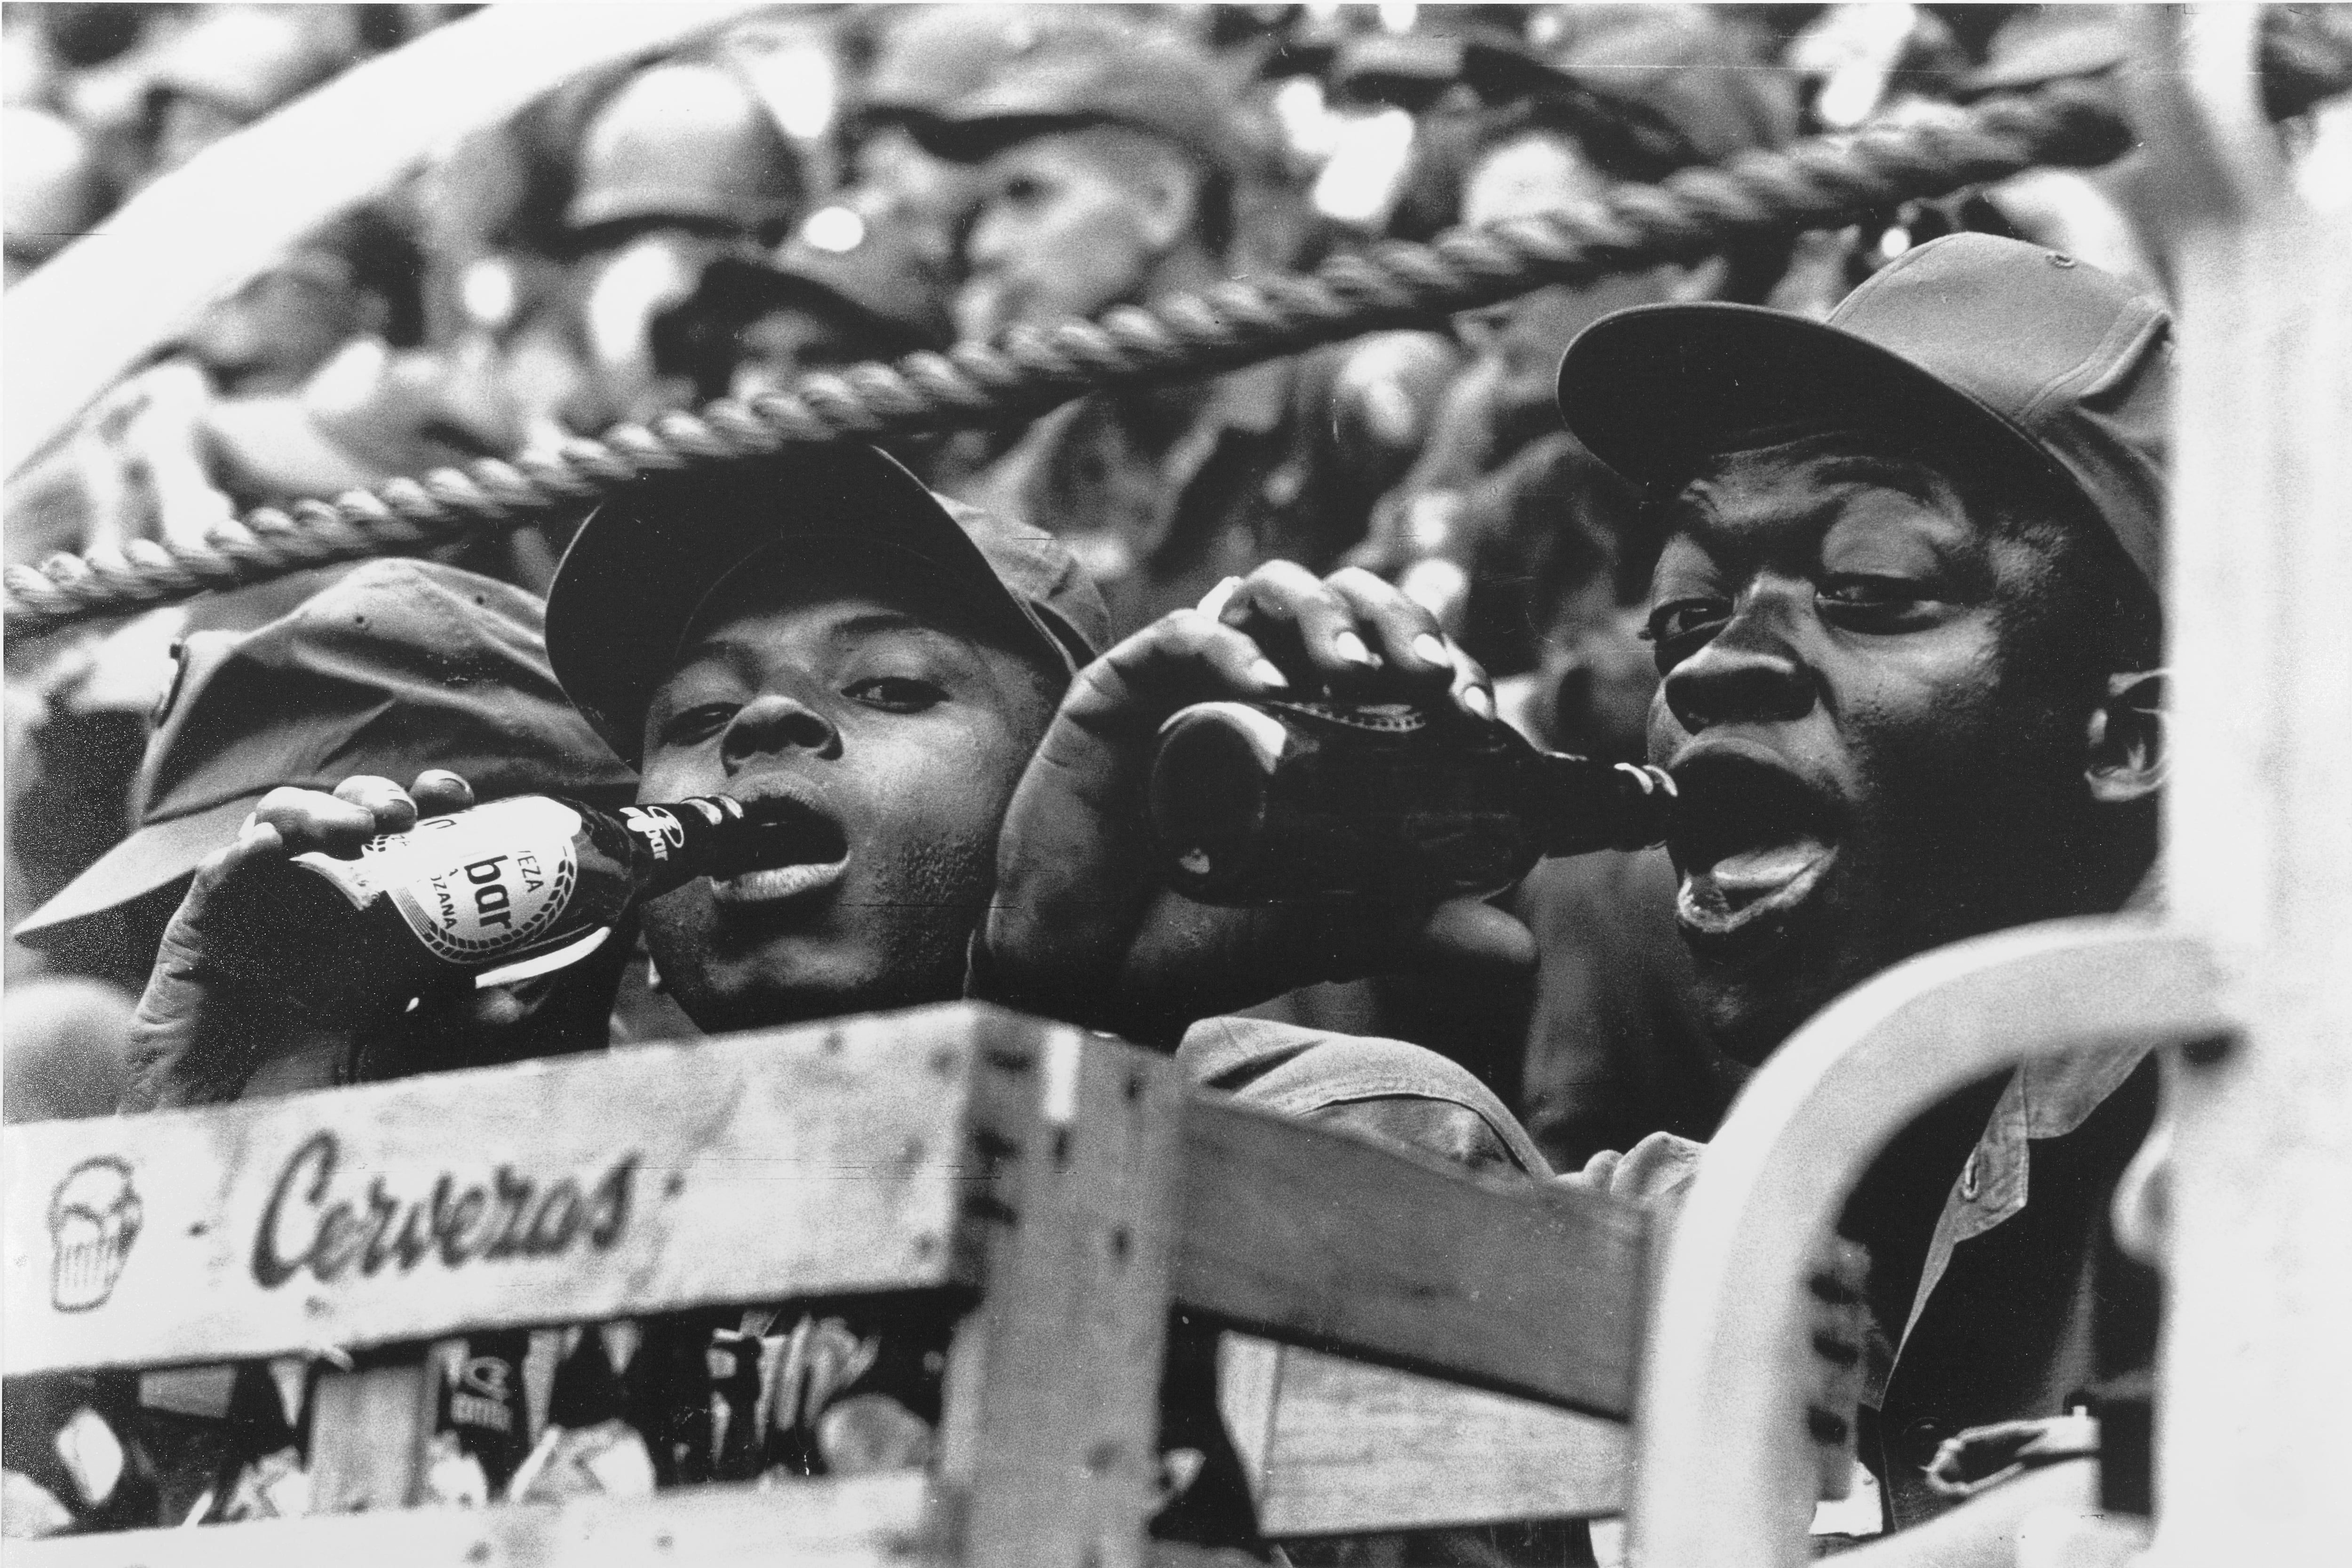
1821, 183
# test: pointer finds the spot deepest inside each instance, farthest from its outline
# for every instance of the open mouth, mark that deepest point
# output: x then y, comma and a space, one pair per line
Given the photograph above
1752, 840
802, 847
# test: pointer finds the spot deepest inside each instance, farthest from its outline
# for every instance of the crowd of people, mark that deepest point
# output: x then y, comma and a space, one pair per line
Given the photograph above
1857, 536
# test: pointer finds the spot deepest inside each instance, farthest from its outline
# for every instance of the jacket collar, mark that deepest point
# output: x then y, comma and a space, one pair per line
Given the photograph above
2045, 1098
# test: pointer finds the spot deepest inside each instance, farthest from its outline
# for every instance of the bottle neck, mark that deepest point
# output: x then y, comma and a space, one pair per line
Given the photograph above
703, 835
1579, 805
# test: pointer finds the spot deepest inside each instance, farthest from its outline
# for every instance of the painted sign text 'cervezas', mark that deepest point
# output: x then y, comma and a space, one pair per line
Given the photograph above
311, 1223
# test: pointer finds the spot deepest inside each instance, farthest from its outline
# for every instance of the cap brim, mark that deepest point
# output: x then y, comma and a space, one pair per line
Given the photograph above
643, 562
155, 857
1655, 391
734, 284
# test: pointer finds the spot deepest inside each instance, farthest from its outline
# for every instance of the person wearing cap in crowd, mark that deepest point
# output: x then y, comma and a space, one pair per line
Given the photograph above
683, 163
911, 198
841, 291
1908, 626
1615, 99
51, 192
276, 391
1113, 158
395, 666
231, 65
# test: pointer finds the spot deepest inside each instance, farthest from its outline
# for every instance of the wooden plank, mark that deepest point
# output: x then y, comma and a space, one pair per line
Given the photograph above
1343, 1447
2247, 1206
1315, 1237
801, 1162
368, 1427
1052, 1397
897, 1518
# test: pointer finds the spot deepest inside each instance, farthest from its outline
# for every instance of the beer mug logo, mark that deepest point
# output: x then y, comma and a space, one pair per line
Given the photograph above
94, 1216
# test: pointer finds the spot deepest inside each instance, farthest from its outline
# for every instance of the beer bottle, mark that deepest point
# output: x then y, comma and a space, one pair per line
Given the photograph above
588, 1447
739, 1446
1277, 802
482, 1402
489, 888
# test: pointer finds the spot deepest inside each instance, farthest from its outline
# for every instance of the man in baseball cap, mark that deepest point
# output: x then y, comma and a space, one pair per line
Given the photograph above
1907, 630
396, 667
817, 626
1906, 626
854, 284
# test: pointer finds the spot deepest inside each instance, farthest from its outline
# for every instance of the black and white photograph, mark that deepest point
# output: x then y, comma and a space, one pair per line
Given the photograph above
1067, 785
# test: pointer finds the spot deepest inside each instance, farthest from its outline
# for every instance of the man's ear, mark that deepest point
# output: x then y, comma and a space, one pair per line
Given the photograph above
1170, 188
2125, 750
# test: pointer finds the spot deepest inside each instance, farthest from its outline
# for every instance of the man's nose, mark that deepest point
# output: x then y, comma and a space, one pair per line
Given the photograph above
988, 238
776, 725
1750, 674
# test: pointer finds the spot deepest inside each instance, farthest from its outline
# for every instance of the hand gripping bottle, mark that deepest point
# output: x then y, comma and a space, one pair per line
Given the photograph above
525, 884
1278, 802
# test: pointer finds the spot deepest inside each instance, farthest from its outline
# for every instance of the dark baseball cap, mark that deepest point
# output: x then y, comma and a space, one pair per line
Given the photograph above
396, 667
645, 561
860, 257
2024, 354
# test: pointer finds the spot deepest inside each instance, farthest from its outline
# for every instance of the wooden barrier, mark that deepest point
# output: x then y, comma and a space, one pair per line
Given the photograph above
804, 1163
1061, 1192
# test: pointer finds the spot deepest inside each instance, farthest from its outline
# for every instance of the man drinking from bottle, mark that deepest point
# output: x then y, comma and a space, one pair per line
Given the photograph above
818, 634
1908, 636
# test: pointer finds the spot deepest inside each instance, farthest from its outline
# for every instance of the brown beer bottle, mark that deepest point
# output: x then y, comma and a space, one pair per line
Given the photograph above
488, 888
1280, 802
482, 1402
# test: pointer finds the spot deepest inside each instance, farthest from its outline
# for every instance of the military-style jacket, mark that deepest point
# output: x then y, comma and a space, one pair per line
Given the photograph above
2024, 1303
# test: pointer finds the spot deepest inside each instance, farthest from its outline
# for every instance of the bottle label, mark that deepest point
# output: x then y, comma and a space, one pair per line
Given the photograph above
665, 832
476, 887
1372, 718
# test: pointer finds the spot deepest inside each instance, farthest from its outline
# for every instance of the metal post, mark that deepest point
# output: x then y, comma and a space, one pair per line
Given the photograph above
2253, 1447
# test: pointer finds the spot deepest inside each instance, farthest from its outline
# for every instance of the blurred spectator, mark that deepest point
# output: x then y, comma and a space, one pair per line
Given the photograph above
682, 164
2078, 211
840, 292
63, 1036
53, 192
1620, 98
155, 84
356, 276
233, 64
1112, 157
912, 196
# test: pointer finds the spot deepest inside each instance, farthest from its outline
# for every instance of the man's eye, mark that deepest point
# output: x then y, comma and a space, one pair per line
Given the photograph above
1869, 603
896, 693
1677, 621
702, 721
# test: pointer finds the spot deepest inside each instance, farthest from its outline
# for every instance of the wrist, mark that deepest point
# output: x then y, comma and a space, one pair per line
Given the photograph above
990, 977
